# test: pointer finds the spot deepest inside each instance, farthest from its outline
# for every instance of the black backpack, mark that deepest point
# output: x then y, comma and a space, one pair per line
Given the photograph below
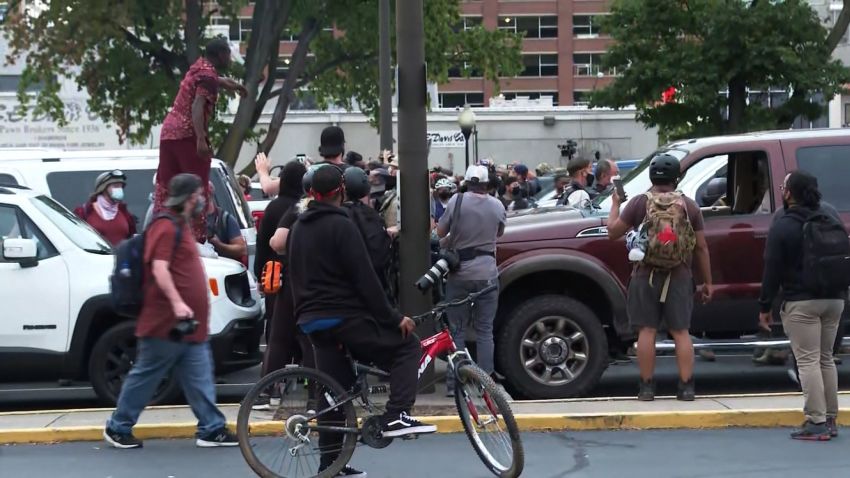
826, 255
127, 279
378, 242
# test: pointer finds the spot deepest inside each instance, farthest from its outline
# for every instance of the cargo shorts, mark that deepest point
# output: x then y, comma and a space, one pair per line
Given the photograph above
650, 305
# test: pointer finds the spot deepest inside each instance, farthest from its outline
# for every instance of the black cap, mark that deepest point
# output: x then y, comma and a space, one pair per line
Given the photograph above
181, 188
353, 157
664, 167
332, 142
326, 181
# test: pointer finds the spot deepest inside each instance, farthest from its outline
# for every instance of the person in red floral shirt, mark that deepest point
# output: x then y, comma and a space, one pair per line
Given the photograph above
184, 145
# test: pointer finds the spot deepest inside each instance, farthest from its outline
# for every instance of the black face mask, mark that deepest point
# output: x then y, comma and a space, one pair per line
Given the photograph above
445, 196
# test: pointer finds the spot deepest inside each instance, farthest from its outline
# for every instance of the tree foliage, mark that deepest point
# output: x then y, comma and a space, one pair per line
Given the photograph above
130, 55
714, 52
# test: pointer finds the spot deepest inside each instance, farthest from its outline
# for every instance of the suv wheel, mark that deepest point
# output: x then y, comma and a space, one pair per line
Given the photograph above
552, 347
111, 360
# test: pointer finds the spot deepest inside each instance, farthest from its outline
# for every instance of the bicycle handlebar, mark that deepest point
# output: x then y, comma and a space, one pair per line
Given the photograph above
419, 319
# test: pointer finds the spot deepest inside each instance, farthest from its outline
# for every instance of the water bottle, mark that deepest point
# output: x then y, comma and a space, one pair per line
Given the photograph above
124, 270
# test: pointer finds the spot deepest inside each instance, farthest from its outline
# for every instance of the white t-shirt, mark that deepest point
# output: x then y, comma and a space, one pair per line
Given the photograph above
579, 199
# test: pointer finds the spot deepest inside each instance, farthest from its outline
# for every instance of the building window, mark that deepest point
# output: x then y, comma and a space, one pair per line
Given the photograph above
4, 7
532, 95
240, 27
468, 23
531, 27
586, 26
9, 85
459, 100
458, 71
581, 98
590, 64
540, 65
289, 35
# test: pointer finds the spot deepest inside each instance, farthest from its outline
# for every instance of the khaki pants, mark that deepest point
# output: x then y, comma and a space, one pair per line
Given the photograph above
811, 326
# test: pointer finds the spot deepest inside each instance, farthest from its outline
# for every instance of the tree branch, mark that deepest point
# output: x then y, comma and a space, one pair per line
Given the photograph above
840, 28
335, 63
167, 59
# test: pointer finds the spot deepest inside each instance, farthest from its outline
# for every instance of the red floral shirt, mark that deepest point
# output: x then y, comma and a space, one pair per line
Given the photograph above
200, 80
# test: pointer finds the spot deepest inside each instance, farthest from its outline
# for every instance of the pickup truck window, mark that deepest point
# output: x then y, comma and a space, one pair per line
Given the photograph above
831, 165
14, 224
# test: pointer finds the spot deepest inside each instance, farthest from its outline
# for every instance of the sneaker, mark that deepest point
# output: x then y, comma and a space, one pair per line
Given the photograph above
223, 437
812, 432
832, 426
686, 391
121, 440
646, 393
405, 425
348, 472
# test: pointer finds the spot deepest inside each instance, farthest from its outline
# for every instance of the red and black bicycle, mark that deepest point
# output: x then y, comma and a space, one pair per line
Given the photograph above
311, 430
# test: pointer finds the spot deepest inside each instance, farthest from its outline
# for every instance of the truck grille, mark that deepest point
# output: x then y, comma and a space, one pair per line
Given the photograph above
239, 290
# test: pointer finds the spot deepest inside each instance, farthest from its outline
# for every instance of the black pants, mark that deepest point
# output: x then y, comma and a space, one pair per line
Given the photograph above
367, 341
285, 344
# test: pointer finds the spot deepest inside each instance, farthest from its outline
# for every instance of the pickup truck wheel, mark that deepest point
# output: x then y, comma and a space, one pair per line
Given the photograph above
111, 360
552, 347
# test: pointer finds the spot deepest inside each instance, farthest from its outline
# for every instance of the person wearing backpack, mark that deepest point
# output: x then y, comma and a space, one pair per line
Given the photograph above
223, 232
661, 289
808, 256
173, 323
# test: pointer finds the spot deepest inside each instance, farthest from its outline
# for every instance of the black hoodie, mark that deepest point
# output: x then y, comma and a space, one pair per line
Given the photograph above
330, 271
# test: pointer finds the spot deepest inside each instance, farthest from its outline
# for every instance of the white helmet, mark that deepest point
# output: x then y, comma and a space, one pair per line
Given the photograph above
445, 183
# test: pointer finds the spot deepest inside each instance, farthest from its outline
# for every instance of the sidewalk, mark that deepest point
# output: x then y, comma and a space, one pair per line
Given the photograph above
768, 410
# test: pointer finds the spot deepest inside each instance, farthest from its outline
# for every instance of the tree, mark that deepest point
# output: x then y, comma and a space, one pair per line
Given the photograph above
712, 53
130, 55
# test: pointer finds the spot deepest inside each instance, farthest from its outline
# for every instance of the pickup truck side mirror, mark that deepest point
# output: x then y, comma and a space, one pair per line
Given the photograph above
22, 251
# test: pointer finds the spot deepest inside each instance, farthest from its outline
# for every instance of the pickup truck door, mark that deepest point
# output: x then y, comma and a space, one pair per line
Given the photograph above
33, 300
736, 241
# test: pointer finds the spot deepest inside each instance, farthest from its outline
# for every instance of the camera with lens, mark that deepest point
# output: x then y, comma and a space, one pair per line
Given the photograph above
183, 327
449, 261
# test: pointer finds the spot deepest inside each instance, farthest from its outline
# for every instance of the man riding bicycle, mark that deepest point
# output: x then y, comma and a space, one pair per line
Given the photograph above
339, 302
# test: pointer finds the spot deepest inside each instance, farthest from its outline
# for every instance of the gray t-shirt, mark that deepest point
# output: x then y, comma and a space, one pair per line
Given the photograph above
477, 227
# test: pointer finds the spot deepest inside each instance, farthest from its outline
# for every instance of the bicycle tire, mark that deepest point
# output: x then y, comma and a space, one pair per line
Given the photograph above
245, 408
466, 375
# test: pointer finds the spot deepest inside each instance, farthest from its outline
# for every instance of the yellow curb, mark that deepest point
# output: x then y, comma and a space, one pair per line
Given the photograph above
526, 422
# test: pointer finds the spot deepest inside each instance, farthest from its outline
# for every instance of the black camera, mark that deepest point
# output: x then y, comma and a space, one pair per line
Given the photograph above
569, 149
449, 261
182, 328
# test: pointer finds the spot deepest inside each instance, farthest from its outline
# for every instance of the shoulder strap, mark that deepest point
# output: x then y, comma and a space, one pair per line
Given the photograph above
455, 218
178, 230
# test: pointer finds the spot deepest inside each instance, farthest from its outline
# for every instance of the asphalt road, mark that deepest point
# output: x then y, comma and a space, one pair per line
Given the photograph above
738, 453
729, 374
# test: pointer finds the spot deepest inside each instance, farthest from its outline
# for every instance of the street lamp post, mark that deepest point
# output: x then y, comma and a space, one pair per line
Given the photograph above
466, 121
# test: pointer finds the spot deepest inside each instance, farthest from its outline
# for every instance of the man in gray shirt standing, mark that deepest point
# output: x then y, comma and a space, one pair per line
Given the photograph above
474, 230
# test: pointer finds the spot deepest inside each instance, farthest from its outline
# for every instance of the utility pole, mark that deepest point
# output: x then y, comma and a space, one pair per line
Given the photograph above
385, 125
413, 157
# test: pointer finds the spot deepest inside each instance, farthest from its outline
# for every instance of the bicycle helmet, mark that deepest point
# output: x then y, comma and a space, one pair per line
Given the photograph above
446, 183
356, 183
664, 167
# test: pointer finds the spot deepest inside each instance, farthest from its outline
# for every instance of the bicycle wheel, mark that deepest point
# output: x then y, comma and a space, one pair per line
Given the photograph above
279, 438
488, 421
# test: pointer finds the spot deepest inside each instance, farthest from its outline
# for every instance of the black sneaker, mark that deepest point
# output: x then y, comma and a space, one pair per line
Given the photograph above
646, 392
832, 426
686, 391
223, 437
812, 432
347, 472
404, 425
121, 440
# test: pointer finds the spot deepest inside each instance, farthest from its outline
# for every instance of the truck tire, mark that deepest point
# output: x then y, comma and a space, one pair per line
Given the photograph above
552, 347
111, 360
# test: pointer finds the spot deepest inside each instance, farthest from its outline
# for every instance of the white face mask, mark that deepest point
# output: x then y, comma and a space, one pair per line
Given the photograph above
117, 194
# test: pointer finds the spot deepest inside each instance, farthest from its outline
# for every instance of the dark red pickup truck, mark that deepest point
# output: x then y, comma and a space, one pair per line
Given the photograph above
563, 297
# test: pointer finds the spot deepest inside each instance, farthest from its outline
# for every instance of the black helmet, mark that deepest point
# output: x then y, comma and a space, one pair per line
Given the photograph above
664, 167
307, 180
356, 183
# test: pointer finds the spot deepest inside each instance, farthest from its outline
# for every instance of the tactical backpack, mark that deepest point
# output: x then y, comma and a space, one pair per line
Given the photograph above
670, 236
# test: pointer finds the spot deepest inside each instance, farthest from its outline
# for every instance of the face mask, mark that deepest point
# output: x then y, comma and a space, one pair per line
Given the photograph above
445, 196
117, 194
199, 207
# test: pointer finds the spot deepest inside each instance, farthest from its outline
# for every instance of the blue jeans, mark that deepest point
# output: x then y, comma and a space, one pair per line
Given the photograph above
482, 318
192, 366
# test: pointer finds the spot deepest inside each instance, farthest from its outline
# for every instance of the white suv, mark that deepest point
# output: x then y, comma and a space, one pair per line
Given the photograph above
57, 320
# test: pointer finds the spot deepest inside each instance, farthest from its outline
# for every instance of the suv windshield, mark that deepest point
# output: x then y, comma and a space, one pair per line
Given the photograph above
77, 230
637, 181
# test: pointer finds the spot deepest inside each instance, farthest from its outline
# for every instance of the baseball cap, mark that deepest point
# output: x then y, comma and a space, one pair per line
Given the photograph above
477, 174
181, 188
326, 182
332, 142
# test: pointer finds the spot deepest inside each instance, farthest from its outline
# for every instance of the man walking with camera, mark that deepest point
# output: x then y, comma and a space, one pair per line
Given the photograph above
473, 221
173, 323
